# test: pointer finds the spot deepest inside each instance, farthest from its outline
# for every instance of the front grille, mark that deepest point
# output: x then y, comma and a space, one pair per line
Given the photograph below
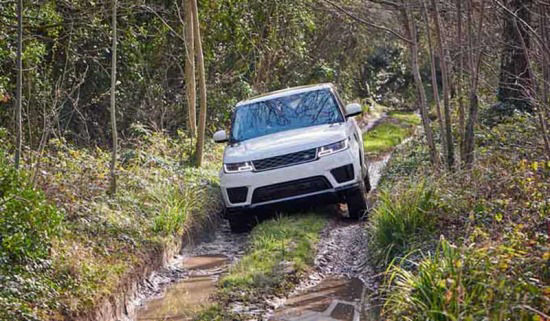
285, 160
237, 194
290, 189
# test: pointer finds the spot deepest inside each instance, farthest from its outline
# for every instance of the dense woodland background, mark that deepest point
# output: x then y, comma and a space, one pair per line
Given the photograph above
478, 71
498, 47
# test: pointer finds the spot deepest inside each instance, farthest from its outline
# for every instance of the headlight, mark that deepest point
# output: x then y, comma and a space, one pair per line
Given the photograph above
238, 167
332, 148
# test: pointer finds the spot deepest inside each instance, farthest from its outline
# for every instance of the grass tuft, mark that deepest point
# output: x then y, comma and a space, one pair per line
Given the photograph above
400, 217
285, 243
463, 283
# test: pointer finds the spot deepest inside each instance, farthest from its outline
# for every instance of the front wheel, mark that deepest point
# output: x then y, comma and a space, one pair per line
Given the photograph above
357, 202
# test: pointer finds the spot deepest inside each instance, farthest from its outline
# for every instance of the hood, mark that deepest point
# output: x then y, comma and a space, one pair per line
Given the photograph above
285, 142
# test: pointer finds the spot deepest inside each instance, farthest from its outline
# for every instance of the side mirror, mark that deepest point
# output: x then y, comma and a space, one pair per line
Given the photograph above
220, 136
353, 110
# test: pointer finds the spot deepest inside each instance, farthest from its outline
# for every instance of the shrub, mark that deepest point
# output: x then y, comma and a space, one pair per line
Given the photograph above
465, 283
27, 221
400, 218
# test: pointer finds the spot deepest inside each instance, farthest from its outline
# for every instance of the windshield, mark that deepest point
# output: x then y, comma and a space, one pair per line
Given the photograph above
307, 109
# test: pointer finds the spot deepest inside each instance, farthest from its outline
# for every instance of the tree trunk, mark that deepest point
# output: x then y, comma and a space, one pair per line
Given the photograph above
19, 92
461, 109
112, 189
435, 85
410, 28
191, 90
202, 85
474, 62
515, 83
445, 81
545, 63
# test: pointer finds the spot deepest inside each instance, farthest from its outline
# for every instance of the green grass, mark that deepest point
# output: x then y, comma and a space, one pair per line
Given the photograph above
406, 117
464, 283
390, 132
280, 251
275, 245
401, 217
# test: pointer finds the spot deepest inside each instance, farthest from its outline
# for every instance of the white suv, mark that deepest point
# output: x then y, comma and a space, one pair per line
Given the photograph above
298, 144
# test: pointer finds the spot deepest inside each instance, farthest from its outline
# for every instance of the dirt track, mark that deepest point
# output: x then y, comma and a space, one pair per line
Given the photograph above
336, 290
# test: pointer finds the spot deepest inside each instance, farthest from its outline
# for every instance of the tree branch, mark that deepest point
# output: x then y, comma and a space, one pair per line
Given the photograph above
367, 23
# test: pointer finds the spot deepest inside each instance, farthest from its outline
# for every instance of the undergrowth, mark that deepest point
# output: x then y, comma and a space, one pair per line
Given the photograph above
488, 257
401, 219
69, 244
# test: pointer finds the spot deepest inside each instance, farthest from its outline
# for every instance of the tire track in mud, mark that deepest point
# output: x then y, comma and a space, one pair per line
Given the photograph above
342, 276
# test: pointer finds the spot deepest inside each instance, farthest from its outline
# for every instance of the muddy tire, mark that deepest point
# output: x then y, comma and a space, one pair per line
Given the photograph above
239, 222
357, 202
366, 180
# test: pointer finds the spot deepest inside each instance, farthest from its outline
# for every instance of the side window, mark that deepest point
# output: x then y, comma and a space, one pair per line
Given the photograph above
338, 100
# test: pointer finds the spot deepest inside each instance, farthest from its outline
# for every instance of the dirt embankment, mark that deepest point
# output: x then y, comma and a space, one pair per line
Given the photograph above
148, 277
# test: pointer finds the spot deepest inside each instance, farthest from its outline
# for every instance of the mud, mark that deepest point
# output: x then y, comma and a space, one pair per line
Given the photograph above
190, 295
185, 286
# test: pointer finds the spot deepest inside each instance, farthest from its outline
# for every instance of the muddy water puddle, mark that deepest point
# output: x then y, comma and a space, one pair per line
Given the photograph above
186, 285
186, 297
332, 299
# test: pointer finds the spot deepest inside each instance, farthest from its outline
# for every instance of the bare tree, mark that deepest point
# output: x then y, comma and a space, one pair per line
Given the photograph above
545, 63
435, 85
474, 61
19, 93
409, 25
112, 189
445, 80
515, 81
190, 85
202, 84
460, 79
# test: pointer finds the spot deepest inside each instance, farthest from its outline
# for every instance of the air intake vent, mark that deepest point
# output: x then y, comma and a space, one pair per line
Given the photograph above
343, 174
237, 194
290, 189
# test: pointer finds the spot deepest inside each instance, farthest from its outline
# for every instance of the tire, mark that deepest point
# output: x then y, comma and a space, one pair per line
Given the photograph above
357, 202
239, 222
366, 180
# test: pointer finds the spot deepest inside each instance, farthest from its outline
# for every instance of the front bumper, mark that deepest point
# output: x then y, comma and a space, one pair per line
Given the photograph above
292, 183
